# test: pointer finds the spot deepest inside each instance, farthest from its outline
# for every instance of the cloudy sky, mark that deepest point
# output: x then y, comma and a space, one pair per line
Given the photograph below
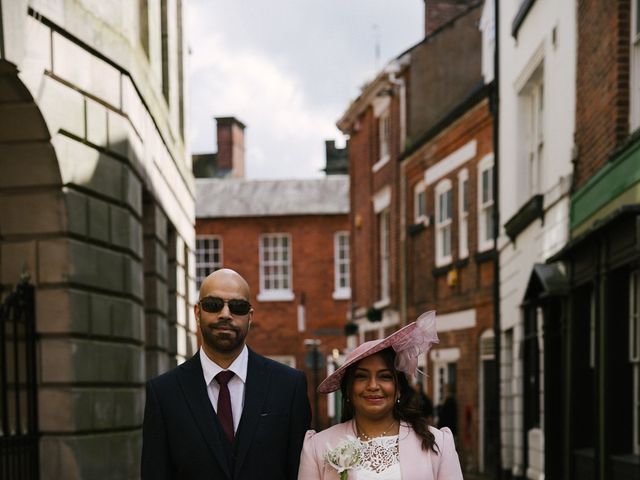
288, 69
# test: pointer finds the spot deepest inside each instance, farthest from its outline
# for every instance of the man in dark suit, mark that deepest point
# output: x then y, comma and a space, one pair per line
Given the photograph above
201, 422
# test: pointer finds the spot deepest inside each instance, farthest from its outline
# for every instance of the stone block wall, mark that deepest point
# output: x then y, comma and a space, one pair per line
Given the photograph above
96, 198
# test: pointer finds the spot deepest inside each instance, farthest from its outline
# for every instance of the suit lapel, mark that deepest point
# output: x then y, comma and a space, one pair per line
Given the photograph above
255, 392
194, 389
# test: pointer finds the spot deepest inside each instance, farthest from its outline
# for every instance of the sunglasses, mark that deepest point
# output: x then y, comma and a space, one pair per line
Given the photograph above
215, 304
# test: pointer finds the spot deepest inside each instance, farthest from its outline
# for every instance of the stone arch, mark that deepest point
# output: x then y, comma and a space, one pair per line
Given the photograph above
31, 203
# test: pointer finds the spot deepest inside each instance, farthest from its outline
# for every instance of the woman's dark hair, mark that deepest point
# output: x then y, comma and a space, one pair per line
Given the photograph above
406, 410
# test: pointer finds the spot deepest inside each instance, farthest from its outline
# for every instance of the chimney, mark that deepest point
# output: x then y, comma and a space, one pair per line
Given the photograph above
439, 12
230, 156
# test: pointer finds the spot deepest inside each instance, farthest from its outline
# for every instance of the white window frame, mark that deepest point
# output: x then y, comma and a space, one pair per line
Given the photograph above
281, 266
485, 205
384, 139
384, 257
341, 261
634, 353
205, 267
443, 222
463, 213
420, 203
531, 124
441, 359
634, 74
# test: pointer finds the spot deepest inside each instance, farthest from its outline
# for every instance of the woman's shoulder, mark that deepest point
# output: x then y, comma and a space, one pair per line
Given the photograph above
331, 434
444, 439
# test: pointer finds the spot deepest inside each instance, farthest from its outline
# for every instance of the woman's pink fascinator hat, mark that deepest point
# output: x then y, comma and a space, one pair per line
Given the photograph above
409, 343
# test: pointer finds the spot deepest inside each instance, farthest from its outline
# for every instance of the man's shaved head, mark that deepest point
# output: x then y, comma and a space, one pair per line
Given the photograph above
225, 275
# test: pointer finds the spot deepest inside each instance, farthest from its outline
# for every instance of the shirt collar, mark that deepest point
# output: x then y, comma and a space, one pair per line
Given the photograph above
239, 366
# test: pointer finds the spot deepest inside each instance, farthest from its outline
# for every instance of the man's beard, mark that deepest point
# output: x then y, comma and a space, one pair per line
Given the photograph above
220, 340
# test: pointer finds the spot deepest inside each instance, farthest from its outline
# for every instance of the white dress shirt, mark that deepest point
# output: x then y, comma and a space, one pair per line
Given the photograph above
236, 385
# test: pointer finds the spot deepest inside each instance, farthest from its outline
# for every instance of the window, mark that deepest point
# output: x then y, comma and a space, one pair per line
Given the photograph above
485, 203
208, 256
634, 80
342, 280
634, 353
384, 250
275, 267
444, 213
384, 132
445, 373
531, 130
420, 203
463, 213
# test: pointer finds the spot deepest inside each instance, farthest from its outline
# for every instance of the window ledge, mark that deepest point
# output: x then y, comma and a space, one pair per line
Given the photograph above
342, 294
443, 261
380, 163
530, 211
486, 255
275, 296
380, 304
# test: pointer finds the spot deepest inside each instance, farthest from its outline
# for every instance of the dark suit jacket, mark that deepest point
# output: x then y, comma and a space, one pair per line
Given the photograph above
182, 438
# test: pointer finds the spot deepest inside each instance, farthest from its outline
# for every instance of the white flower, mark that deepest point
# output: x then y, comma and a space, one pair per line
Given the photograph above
345, 456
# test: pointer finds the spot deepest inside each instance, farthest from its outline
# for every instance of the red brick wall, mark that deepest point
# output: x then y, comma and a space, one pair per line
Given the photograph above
474, 288
363, 154
275, 324
602, 103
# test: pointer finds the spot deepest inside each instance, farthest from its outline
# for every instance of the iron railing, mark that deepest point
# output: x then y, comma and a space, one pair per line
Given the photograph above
18, 388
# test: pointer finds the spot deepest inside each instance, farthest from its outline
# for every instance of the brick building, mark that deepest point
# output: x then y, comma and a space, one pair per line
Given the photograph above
290, 240
96, 205
450, 256
420, 134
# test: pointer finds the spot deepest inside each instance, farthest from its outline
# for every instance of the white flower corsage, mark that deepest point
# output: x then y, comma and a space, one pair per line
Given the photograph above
344, 457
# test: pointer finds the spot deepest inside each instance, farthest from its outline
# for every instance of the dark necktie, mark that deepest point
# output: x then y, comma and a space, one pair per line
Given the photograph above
224, 412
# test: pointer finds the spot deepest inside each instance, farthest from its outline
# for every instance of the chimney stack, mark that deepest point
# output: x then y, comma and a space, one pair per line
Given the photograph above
230, 156
439, 12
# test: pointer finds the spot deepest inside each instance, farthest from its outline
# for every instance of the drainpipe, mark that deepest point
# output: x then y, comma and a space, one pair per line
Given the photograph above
497, 330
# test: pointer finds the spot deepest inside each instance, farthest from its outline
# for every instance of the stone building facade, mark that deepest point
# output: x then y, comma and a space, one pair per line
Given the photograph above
97, 207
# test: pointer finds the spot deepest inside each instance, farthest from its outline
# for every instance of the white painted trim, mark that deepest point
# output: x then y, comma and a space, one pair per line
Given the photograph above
529, 69
341, 294
445, 355
380, 163
382, 199
456, 320
451, 162
419, 188
275, 296
380, 105
302, 326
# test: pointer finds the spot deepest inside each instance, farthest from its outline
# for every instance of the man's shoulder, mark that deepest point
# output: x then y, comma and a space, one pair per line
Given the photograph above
170, 376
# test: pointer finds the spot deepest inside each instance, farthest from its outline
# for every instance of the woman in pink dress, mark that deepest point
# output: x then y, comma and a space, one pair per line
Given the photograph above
383, 434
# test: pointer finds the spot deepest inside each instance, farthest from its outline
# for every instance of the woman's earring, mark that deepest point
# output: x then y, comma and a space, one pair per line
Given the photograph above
398, 401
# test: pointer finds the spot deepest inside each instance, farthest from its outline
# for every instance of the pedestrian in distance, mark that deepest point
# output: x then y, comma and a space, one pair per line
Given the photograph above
227, 413
383, 434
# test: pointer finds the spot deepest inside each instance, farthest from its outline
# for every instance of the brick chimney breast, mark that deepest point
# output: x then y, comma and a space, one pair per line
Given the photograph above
439, 12
230, 156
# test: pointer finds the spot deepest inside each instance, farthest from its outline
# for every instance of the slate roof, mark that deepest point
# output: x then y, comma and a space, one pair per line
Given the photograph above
228, 198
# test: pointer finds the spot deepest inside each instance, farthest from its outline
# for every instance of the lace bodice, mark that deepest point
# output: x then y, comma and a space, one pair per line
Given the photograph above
379, 459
